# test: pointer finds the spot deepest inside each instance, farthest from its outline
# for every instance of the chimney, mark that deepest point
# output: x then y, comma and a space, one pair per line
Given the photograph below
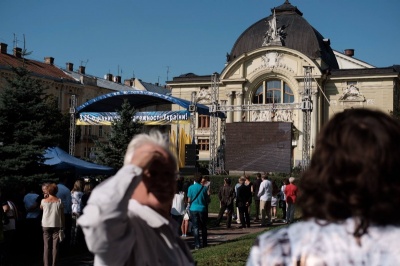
117, 79
18, 52
109, 77
82, 69
70, 66
49, 60
3, 48
349, 52
128, 82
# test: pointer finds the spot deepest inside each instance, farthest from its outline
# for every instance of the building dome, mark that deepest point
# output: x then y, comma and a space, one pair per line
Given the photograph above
295, 33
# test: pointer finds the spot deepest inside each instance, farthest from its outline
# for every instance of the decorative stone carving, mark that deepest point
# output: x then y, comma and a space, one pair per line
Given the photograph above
274, 35
229, 94
273, 115
204, 96
371, 101
351, 94
273, 60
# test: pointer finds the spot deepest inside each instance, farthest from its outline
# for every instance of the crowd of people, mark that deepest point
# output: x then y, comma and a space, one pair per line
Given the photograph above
347, 203
35, 218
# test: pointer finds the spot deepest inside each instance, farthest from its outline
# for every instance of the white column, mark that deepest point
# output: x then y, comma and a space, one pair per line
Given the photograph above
239, 101
229, 115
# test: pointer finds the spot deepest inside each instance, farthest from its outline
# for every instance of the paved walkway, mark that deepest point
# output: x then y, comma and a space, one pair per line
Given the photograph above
216, 235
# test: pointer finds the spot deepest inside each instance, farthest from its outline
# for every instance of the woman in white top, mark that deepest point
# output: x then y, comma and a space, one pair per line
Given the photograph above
52, 222
349, 197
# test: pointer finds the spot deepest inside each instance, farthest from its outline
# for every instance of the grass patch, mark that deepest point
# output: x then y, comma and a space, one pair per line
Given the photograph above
234, 252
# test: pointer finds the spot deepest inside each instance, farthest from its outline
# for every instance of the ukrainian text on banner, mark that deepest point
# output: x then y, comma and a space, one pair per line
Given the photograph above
147, 118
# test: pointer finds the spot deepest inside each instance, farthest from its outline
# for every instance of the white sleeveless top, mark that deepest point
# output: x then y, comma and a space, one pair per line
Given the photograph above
52, 212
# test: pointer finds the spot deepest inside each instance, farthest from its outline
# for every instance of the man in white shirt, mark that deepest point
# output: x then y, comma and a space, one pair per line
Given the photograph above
127, 218
265, 194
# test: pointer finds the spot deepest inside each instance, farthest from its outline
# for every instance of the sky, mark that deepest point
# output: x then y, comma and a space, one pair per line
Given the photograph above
156, 40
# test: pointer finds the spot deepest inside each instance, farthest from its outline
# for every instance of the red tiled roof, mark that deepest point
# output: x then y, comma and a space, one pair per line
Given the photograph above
36, 67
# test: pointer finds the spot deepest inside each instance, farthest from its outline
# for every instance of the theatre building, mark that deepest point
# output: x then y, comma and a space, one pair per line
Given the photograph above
281, 70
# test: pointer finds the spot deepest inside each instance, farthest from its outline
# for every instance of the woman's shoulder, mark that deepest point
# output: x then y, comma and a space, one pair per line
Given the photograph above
313, 239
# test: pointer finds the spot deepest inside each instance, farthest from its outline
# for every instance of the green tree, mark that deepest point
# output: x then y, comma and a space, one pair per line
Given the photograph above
30, 122
111, 152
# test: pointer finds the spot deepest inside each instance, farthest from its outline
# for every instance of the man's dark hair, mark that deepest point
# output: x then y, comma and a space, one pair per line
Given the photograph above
228, 180
354, 171
198, 177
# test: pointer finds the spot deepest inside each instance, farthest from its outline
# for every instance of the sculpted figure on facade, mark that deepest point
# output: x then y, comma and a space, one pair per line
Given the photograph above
203, 96
352, 93
274, 35
273, 115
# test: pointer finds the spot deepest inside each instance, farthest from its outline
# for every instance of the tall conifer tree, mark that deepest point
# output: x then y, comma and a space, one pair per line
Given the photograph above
111, 152
30, 122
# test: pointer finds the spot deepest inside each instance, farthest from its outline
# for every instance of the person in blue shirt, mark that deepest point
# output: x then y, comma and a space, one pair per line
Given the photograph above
197, 198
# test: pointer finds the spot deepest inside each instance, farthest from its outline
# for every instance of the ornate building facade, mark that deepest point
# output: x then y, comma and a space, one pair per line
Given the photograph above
272, 66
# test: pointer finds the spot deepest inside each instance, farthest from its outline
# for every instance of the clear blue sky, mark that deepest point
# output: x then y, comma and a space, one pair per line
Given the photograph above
148, 38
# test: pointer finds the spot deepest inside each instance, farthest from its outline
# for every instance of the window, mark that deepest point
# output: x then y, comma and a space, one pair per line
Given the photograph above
288, 96
204, 144
86, 152
88, 130
203, 121
259, 95
275, 91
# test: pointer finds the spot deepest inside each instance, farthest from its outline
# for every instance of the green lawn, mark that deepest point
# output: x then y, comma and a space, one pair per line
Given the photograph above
234, 252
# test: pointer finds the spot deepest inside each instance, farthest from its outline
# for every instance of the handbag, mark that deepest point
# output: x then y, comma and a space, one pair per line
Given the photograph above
61, 235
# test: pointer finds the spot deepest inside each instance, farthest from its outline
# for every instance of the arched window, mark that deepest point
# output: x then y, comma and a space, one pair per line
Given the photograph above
259, 95
275, 91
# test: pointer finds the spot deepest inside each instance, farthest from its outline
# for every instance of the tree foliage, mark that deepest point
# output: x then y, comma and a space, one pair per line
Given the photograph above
30, 122
111, 152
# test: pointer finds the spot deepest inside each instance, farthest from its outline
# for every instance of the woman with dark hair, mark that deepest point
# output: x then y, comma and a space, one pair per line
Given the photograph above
348, 198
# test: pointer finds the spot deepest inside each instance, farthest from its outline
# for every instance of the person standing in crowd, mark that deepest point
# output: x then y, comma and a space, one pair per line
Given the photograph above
87, 190
243, 200
282, 199
127, 219
76, 198
205, 181
185, 224
178, 205
197, 198
265, 194
186, 184
347, 198
33, 226
65, 195
52, 223
274, 199
291, 195
236, 208
249, 184
10, 212
226, 195
256, 188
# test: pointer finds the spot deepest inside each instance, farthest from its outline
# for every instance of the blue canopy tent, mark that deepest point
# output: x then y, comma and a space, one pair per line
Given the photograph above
61, 160
138, 99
